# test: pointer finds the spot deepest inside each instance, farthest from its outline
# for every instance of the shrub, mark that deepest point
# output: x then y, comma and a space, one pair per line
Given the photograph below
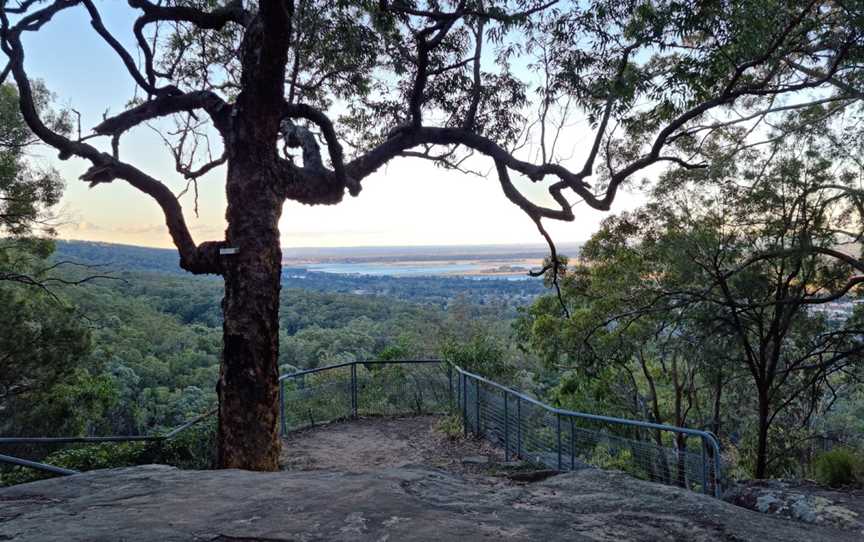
838, 467
450, 426
606, 456
194, 448
82, 458
482, 355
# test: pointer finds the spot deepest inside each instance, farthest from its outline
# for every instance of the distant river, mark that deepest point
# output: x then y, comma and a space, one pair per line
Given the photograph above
412, 269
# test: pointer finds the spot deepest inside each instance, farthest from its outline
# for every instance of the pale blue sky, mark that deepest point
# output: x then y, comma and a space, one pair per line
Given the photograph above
409, 202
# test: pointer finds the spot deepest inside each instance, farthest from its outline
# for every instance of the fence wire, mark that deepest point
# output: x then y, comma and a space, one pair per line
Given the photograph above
529, 430
364, 389
524, 427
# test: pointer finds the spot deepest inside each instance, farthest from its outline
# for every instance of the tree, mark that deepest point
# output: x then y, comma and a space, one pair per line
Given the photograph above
42, 349
43, 344
433, 80
27, 192
712, 282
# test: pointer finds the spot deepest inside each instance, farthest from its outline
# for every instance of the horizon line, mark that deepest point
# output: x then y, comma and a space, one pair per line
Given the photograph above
538, 244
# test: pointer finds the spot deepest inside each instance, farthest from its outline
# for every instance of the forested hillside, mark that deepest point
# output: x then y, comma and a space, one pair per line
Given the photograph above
134, 349
151, 337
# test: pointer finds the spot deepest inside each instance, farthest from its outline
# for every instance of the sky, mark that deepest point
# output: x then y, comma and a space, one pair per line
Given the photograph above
408, 202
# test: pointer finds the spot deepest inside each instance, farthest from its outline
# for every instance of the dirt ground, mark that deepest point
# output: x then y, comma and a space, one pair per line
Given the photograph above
373, 443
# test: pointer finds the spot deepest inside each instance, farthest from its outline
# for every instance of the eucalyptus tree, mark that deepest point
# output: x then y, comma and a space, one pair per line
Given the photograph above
28, 191
458, 82
707, 292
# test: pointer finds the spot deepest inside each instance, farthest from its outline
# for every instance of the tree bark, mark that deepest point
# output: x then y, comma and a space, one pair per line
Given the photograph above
249, 374
661, 461
248, 380
718, 397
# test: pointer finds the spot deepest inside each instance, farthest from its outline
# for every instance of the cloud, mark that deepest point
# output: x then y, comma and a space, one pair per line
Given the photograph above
81, 227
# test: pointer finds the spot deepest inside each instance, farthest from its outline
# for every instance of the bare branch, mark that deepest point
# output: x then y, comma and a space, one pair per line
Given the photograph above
218, 110
197, 259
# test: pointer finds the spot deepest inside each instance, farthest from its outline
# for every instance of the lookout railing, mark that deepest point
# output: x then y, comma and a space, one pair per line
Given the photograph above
56, 441
523, 426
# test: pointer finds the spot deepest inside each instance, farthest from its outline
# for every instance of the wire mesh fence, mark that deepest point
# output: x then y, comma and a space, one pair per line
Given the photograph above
524, 427
364, 388
563, 440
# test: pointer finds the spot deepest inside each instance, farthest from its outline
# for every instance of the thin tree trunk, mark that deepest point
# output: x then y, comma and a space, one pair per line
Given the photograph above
762, 445
718, 393
680, 440
661, 462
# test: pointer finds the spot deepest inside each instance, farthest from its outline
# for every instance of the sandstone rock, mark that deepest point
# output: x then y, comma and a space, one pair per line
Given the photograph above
802, 501
530, 476
392, 504
475, 460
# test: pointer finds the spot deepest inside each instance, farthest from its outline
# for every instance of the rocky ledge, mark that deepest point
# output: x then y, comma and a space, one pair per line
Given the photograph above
391, 504
802, 500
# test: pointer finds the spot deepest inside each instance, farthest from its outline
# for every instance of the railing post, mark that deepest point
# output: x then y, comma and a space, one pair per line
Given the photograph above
477, 406
518, 426
717, 474
572, 443
464, 404
558, 420
354, 390
450, 385
506, 430
705, 488
282, 424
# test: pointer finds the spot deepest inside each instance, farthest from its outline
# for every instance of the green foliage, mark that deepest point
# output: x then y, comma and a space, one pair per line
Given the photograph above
668, 309
79, 405
607, 457
481, 355
44, 371
839, 467
194, 448
451, 427
82, 458
145, 358
26, 191
596, 390
317, 398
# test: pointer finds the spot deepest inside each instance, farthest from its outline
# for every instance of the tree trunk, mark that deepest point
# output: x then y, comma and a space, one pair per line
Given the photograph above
661, 461
248, 381
718, 395
762, 445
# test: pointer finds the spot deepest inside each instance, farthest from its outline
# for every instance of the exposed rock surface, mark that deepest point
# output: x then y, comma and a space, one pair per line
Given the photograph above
803, 501
391, 504
378, 442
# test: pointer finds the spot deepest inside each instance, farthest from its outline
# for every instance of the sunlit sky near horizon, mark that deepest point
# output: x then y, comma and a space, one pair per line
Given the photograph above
408, 202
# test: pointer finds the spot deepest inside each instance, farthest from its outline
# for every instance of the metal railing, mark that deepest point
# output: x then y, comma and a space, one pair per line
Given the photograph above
366, 388
566, 440
21, 462
523, 426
